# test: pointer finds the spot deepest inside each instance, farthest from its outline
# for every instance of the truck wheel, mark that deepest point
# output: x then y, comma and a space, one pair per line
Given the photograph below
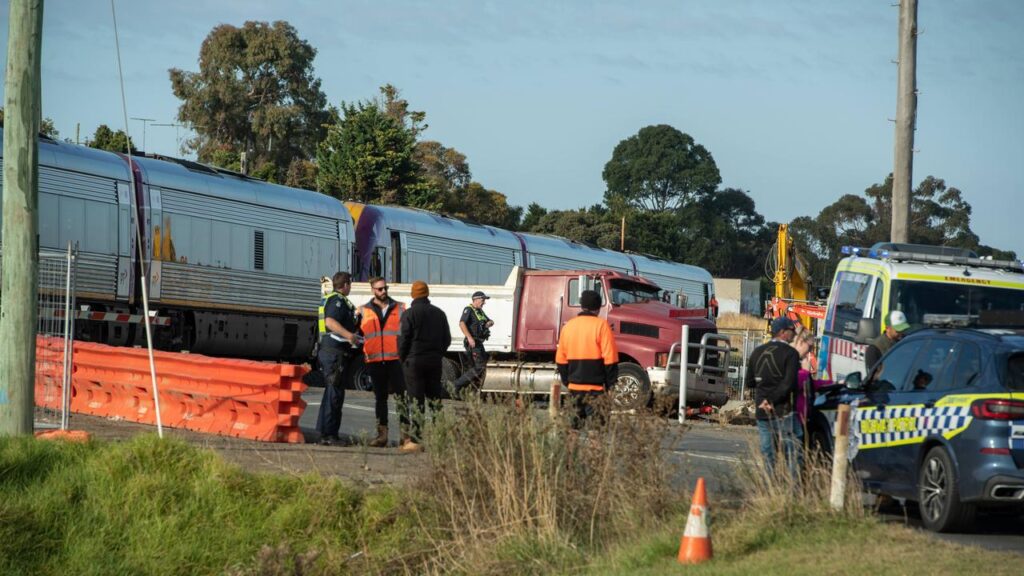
450, 372
938, 492
361, 376
632, 390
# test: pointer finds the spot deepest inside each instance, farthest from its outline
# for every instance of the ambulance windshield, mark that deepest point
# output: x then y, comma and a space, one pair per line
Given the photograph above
916, 299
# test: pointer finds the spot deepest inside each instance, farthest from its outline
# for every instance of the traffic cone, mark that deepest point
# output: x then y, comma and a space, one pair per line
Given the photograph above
695, 547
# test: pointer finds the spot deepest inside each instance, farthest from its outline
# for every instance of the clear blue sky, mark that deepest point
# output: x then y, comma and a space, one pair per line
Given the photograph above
793, 98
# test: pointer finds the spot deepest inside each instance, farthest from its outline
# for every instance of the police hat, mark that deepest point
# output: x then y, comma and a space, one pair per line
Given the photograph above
590, 300
479, 294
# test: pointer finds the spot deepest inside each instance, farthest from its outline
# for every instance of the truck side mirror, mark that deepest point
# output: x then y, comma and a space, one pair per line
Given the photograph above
867, 329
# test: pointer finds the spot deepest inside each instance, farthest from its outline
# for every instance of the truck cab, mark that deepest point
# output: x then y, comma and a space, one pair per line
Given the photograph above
645, 328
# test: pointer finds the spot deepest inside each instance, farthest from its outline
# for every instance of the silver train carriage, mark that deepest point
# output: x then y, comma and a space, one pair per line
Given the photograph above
406, 244
84, 198
236, 261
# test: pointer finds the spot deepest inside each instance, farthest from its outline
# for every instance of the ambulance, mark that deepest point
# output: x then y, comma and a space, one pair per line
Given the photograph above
916, 279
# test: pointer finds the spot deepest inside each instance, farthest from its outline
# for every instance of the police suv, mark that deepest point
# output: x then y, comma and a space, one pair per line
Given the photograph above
939, 419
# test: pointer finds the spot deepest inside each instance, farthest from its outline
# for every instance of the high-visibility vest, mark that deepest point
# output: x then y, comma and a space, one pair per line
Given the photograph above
381, 342
587, 346
321, 311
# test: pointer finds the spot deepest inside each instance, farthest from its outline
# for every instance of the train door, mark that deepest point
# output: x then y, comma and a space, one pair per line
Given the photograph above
398, 268
125, 243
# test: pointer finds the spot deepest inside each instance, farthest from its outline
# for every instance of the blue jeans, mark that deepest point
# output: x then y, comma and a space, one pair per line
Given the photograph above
784, 435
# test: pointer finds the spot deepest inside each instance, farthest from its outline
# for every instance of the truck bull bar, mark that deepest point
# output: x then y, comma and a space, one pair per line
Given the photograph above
703, 375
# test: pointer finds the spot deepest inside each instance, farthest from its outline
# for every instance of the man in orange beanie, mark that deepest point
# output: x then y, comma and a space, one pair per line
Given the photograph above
423, 339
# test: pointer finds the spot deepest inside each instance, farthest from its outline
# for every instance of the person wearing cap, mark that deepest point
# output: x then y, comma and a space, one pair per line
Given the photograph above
476, 327
892, 334
380, 320
772, 375
424, 338
587, 358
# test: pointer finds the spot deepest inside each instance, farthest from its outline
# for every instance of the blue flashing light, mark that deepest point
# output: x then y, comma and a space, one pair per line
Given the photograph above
847, 250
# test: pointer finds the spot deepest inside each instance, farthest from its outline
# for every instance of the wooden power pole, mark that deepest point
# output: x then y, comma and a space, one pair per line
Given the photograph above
20, 217
906, 121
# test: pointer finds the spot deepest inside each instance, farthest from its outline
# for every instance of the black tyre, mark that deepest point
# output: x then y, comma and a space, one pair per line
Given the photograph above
938, 489
450, 371
360, 375
632, 390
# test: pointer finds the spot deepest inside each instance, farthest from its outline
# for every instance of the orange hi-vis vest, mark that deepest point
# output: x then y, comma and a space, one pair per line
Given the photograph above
587, 346
381, 342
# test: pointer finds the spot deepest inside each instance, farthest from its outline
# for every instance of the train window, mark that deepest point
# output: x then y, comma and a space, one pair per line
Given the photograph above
257, 245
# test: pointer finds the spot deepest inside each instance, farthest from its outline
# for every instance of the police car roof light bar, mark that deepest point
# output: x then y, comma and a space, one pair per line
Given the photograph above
949, 257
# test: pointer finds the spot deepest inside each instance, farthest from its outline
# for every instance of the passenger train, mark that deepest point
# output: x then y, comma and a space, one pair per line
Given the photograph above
234, 262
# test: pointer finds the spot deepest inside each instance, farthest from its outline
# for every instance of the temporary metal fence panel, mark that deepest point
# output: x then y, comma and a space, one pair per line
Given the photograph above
55, 304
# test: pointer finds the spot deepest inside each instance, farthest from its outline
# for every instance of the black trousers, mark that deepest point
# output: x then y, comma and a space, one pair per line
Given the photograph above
423, 380
387, 377
335, 364
587, 405
478, 356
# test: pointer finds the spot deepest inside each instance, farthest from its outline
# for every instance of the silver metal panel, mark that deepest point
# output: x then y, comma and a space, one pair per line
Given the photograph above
77, 185
209, 287
554, 253
97, 274
232, 211
232, 188
124, 276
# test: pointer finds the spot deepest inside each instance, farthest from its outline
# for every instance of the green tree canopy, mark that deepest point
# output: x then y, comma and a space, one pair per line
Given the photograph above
939, 216
367, 156
659, 169
106, 139
594, 225
255, 92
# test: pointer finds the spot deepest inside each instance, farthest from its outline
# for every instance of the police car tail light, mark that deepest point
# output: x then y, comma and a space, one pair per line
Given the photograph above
994, 409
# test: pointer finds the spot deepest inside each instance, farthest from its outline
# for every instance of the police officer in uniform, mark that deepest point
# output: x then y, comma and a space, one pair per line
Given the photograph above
587, 358
476, 327
337, 346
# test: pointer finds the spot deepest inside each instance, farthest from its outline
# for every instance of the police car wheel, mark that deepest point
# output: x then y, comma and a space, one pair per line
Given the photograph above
939, 494
632, 390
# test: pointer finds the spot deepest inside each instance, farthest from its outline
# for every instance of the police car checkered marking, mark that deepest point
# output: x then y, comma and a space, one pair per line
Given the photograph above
905, 425
1017, 435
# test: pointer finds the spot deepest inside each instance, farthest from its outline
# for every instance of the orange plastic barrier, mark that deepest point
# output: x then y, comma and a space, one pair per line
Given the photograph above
242, 398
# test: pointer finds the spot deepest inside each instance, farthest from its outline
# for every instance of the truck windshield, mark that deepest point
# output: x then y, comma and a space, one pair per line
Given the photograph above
916, 299
628, 292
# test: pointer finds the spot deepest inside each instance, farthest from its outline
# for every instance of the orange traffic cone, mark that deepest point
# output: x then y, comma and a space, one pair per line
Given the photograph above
695, 547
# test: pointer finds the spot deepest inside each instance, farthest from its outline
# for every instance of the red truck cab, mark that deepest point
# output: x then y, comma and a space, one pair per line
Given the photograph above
646, 328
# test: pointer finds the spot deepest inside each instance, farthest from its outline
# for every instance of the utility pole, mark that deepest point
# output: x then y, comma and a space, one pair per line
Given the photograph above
906, 121
144, 122
20, 217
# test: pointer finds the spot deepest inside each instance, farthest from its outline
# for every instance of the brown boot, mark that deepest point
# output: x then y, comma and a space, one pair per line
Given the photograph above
408, 445
382, 438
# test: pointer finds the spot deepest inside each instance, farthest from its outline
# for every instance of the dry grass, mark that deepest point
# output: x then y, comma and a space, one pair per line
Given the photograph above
513, 491
736, 321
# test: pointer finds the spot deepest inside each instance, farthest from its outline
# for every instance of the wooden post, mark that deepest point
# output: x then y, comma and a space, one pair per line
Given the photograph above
18, 311
840, 450
906, 122
556, 398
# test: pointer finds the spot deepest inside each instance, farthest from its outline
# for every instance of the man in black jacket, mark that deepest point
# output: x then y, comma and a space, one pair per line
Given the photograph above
772, 375
423, 339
